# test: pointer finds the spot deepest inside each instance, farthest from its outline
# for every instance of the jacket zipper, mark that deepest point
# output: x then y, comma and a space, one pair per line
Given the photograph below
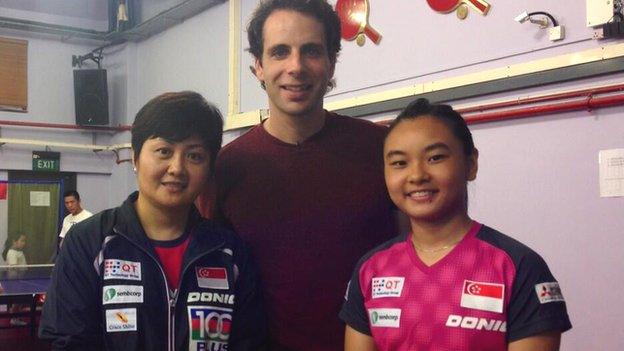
174, 300
171, 300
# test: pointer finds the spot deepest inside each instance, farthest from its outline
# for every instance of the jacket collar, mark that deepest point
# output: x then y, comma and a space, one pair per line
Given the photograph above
204, 234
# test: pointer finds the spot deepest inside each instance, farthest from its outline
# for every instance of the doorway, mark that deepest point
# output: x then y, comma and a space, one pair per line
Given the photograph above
35, 208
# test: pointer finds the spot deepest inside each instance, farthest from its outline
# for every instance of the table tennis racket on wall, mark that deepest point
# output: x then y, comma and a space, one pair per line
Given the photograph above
354, 20
446, 6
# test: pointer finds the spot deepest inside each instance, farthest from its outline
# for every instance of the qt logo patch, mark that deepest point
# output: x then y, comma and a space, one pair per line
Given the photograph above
387, 286
120, 269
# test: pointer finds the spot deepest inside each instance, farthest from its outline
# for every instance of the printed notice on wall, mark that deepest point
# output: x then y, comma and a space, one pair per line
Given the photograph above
611, 163
40, 198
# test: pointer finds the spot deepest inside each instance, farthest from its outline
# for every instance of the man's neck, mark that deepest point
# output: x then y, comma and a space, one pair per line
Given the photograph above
77, 213
294, 129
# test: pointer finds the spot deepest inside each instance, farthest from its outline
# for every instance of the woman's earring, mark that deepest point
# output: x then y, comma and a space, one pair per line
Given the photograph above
134, 169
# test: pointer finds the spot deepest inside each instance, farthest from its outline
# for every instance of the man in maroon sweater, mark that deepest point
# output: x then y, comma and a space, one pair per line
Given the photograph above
304, 189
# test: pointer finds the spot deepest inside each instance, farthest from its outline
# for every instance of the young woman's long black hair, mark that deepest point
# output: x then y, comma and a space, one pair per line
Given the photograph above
11, 238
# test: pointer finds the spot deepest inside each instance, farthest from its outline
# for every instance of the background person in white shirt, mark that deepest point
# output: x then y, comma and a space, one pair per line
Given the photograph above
76, 212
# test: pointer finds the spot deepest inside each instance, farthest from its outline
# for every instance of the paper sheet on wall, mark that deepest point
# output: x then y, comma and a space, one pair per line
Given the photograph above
611, 163
40, 198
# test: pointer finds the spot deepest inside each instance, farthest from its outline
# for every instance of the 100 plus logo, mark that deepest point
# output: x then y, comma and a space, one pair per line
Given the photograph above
210, 328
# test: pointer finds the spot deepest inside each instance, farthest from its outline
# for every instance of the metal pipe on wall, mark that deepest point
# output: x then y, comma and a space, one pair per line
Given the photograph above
586, 100
544, 98
119, 128
588, 103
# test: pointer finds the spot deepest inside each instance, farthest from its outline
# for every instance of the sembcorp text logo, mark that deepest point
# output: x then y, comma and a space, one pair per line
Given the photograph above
377, 317
385, 317
113, 294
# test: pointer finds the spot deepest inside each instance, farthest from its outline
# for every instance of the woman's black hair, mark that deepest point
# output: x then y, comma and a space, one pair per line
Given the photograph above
11, 238
178, 116
444, 113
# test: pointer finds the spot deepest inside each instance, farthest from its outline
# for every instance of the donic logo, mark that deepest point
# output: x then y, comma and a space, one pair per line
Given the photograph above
469, 322
211, 297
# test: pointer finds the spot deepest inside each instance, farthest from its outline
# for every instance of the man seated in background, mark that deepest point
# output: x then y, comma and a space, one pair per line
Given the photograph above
76, 212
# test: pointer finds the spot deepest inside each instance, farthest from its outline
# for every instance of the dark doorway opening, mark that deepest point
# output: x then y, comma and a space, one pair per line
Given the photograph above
68, 178
36, 209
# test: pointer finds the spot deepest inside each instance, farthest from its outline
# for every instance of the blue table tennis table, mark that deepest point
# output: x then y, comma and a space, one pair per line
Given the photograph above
24, 285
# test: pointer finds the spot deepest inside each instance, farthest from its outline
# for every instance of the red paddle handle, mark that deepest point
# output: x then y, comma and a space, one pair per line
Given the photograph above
481, 5
372, 34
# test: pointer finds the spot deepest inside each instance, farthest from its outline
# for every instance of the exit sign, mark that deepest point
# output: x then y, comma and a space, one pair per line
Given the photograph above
46, 161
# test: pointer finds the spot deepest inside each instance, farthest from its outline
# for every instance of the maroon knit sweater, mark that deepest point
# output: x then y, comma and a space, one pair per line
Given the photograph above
308, 213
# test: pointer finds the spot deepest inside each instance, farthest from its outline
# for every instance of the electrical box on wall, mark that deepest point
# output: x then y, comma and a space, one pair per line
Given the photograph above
599, 11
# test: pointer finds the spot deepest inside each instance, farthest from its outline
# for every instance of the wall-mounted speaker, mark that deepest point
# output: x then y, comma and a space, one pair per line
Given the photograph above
91, 97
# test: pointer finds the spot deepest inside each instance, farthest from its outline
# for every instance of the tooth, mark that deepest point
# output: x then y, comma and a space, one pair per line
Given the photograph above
420, 193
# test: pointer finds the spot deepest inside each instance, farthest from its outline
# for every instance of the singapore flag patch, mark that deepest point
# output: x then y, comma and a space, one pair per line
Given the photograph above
212, 277
483, 296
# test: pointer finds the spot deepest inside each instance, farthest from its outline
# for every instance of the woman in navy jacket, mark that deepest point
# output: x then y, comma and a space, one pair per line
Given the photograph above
152, 274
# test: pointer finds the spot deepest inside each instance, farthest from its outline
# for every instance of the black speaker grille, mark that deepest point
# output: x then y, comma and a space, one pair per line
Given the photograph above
91, 97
